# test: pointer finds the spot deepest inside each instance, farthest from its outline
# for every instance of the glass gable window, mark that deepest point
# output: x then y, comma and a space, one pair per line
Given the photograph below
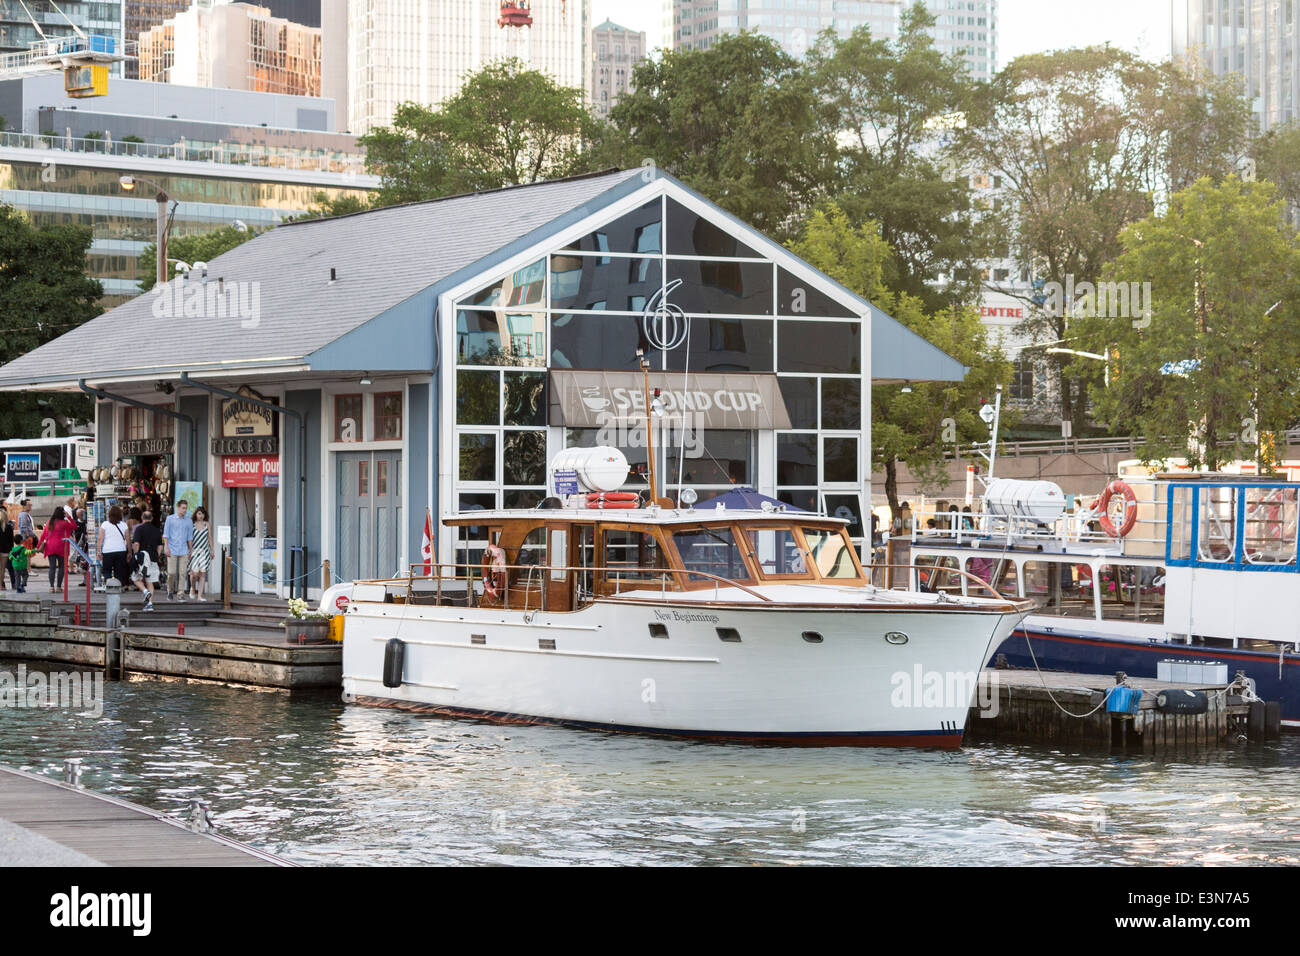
819, 346
582, 306
796, 297
722, 288
637, 231
692, 235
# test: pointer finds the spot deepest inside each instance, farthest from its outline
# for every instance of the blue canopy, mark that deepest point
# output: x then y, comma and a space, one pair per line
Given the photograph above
744, 498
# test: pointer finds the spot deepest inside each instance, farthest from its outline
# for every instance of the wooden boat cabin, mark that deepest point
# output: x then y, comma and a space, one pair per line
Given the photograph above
560, 560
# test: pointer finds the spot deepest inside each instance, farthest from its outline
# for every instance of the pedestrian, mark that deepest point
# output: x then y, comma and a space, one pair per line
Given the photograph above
178, 532
26, 526
18, 557
54, 545
200, 552
6, 545
145, 542
111, 545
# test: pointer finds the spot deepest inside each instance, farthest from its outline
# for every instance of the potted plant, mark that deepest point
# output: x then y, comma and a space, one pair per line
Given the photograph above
306, 626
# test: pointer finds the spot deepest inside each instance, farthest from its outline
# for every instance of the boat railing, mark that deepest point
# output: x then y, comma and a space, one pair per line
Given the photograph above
1076, 528
526, 585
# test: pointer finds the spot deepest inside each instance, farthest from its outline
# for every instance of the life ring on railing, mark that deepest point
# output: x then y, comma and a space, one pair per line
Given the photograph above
494, 571
613, 499
1117, 487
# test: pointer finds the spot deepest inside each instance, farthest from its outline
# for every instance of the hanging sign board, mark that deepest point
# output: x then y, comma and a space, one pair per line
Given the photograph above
22, 466
134, 447
250, 471
241, 418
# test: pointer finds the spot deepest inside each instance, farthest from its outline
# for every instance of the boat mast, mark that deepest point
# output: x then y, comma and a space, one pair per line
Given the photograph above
649, 424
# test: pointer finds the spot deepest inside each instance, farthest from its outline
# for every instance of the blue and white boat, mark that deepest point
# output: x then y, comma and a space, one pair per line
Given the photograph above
1195, 567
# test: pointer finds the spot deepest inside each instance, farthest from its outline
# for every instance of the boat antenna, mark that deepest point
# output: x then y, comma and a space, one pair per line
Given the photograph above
993, 418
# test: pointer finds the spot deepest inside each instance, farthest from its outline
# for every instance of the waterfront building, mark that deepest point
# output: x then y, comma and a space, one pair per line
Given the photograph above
233, 46
1256, 40
422, 50
968, 28
437, 355
615, 51
225, 156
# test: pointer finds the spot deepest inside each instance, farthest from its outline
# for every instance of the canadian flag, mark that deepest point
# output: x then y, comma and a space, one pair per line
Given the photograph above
426, 545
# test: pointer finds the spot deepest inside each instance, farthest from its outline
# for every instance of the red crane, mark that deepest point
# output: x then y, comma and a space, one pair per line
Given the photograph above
515, 13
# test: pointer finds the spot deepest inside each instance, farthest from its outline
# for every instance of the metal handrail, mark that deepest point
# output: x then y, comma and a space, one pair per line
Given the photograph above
716, 578
971, 578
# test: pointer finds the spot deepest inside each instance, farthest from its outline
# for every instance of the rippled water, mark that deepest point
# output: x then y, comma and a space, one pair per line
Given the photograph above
320, 782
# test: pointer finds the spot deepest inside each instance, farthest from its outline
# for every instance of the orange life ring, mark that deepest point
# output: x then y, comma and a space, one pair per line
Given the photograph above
1118, 487
494, 571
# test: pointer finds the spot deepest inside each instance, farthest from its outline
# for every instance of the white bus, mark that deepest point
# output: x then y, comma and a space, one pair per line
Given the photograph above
74, 451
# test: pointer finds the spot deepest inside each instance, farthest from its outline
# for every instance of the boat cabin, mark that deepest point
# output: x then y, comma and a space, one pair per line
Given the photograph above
560, 560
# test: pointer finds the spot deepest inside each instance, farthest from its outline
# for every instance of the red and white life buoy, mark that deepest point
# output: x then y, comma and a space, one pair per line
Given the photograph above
494, 571
1130, 509
613, 499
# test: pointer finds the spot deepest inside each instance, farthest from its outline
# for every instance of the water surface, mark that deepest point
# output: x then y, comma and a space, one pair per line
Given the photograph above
318, 781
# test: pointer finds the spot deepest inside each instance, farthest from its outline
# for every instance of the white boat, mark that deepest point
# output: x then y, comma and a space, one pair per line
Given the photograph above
1196, 575
623, 615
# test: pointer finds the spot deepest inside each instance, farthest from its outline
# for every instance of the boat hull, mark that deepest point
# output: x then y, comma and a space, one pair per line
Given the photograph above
600, 668
1062, 650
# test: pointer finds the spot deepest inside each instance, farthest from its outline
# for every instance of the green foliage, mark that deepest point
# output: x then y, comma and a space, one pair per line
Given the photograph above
1085, 142
44, 293
203, 247
893, 166
1218, 260
909, 426
739, 122
507, 126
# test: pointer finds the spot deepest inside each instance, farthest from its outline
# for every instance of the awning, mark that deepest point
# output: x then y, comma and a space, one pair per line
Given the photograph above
593, 399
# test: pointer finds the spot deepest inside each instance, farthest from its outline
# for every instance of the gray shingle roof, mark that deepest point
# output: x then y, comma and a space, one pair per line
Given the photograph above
381, 258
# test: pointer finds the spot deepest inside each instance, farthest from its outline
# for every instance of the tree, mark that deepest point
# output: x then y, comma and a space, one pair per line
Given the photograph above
44, 293
1277, 159
912, 427
1215, 367
889, 102
201, 247
508, 125
739, 122
1087, 141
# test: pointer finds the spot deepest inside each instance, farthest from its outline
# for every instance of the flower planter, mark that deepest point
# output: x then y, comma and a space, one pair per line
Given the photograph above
307, 631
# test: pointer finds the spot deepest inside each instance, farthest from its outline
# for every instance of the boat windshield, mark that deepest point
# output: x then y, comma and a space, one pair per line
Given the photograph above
831, 554
712, 551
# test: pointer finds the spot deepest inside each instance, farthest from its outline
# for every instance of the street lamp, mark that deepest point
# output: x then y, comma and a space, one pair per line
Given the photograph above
1087, 355
128, 183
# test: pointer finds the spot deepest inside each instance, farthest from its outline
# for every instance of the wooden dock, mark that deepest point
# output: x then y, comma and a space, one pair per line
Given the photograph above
45, 822
241, 646
1032, 706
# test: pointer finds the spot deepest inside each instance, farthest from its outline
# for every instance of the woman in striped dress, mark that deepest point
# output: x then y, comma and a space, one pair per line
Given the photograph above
200, 553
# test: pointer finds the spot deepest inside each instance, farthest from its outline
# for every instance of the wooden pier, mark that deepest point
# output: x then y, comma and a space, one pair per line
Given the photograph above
1032, 707
244, 644
46, 822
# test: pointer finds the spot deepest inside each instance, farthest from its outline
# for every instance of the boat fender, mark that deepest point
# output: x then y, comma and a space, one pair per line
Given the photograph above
394, 660
1182, 702
1130, 509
